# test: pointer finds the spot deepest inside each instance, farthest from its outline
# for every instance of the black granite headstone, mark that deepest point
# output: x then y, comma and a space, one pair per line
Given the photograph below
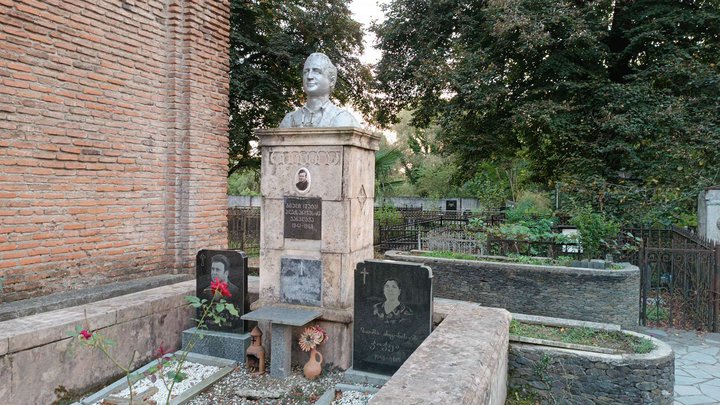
229, 266
302, 218
451, 205
393, 313
300, 281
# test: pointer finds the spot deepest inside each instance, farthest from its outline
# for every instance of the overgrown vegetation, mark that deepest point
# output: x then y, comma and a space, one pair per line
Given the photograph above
584, 336
521, 259
612, 103
388, 216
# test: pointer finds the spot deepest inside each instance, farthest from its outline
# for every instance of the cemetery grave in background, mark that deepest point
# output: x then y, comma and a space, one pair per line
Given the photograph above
680, 284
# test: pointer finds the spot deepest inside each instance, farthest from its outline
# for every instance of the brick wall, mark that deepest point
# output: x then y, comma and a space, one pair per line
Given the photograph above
113, 140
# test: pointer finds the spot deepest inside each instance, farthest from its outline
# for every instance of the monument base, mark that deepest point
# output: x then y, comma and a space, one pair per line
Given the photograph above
225, 345
363, 377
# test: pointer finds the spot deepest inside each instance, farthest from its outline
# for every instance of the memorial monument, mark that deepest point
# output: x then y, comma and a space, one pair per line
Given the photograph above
317, 185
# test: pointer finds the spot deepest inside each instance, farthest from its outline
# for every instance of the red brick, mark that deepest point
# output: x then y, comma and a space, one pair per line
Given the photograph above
94, 118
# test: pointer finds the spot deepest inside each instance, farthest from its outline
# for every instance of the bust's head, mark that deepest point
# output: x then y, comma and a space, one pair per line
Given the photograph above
319, 75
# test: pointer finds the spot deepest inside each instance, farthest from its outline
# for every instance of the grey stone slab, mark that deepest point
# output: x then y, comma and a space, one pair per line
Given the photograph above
685, 380
712, 369
697, 400
283, 315
301, 281
363, 377
697, 373
710, 351
281, 350
710, 390
714, 382
119, 385
219, 344
31, 306
686, 390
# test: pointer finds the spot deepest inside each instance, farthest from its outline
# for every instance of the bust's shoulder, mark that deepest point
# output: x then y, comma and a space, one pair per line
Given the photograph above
342, 117
290, 118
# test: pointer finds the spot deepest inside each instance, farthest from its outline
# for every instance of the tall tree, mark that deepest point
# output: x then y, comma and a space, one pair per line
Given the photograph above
269, 41
618, 99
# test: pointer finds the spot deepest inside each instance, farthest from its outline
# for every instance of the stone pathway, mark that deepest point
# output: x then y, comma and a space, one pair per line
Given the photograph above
697, 365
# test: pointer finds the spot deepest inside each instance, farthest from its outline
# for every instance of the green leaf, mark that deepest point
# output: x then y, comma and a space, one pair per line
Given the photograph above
232, 310
219, 307
192, 300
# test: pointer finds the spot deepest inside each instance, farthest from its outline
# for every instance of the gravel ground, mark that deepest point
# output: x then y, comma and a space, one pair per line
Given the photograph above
240, 388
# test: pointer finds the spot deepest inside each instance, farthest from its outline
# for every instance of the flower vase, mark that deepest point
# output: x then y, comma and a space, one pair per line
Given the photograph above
313, 367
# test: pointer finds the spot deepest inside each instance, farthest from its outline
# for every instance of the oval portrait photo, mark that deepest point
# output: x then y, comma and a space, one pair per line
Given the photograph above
302, 180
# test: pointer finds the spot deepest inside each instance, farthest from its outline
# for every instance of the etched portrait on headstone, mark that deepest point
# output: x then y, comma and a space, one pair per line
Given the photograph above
392, 313
227, 266
301, 281
319, 78
302, 180
392, 310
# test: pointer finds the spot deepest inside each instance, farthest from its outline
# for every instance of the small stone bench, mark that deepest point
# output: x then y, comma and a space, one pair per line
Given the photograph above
282, 319
463, 361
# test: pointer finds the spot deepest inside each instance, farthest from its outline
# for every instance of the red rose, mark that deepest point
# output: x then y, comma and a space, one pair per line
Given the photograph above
85, 334
217, 286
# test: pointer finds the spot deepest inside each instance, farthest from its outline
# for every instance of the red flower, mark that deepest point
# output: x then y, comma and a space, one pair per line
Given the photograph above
161, 351
85, 334
217, 286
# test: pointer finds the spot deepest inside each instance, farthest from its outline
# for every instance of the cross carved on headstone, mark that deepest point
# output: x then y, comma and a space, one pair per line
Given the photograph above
364, 273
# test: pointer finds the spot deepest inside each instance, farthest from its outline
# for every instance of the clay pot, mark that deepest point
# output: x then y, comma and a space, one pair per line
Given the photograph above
313, 367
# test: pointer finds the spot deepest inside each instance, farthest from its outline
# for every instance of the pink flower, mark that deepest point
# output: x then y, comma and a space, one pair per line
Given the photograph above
217, 286
85, 334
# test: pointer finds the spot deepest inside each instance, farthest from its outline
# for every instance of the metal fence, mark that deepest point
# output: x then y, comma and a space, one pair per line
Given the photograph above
244, 229
680, 280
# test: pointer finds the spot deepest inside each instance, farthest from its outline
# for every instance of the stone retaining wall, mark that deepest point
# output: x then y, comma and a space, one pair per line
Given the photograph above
562, 376
463, 361
39, 365
609, 296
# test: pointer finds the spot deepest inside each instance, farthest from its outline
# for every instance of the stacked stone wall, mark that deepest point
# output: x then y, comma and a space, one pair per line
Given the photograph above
607, 296
113, 140
559, 376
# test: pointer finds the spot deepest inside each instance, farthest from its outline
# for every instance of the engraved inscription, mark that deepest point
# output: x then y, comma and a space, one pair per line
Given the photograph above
303, 218
303, 158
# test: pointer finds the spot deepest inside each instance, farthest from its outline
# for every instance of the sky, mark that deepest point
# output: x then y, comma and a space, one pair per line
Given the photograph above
365, 12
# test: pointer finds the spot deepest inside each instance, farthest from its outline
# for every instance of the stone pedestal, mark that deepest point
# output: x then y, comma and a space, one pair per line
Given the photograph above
313, 233
709, 213
224, 345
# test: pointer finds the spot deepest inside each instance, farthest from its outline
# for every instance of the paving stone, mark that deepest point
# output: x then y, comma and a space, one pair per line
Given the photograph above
697, 400
683, 380
697, 373
686, 390
700, 358
711, 391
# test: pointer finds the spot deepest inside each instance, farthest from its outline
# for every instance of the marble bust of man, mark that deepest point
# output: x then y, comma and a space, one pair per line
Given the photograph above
319, 77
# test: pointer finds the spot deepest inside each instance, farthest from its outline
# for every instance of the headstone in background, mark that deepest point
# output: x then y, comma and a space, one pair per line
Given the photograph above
392, 313
301, 281
709, 213
229, 266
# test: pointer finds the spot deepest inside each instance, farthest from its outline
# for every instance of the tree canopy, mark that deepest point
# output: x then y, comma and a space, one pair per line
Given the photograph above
617, 100
269, 41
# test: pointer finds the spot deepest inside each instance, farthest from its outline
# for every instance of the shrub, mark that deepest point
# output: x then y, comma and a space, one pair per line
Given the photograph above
598, 233
388, 215
529, 206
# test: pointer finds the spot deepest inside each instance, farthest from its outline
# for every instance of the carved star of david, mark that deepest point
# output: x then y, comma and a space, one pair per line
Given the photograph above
362, 195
